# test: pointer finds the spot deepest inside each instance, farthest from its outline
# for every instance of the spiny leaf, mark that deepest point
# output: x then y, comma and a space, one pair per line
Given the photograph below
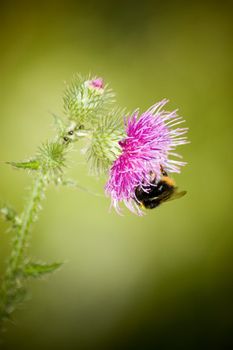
40, 269
9, 214
33, 164
19, 294
15, 297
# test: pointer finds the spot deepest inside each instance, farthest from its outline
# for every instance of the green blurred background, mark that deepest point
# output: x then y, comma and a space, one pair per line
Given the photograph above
163, 281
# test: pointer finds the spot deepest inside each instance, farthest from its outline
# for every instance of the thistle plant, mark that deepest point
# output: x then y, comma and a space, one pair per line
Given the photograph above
126, 149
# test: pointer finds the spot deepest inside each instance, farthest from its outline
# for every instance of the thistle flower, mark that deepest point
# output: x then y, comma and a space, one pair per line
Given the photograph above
149, 142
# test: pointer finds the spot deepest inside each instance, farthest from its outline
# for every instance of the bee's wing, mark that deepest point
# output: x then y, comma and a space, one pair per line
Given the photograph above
177, 195
167, 196
163, 197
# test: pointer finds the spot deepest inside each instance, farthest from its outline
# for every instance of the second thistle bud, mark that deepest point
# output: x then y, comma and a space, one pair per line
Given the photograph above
104, 147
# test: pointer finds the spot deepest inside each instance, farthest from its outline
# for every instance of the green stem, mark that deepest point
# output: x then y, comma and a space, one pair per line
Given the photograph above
11, 282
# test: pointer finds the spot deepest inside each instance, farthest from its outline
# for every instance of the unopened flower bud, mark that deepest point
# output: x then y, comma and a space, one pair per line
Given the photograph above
104, 148
85, 100
97, 84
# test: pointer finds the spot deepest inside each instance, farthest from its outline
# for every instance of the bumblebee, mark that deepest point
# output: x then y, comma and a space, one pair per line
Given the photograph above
158, 192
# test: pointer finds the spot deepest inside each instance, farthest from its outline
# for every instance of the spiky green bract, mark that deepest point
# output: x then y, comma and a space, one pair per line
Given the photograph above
52, 157
103, 147
84, 103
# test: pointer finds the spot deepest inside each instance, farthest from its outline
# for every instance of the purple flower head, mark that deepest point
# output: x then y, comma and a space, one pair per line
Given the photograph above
96, 83
150, 140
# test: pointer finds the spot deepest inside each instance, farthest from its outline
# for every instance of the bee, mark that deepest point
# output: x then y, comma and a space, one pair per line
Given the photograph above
158, 192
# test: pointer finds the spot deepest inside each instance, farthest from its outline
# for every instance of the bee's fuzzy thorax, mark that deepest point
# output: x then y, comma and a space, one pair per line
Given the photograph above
168, 180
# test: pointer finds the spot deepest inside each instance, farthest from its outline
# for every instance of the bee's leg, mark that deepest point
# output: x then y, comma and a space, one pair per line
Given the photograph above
163, 172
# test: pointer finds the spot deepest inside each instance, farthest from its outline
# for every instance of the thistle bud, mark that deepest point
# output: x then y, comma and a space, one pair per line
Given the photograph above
86, 99
104, 147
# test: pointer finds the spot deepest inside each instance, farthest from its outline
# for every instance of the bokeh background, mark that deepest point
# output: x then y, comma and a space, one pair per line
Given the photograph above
163, 281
